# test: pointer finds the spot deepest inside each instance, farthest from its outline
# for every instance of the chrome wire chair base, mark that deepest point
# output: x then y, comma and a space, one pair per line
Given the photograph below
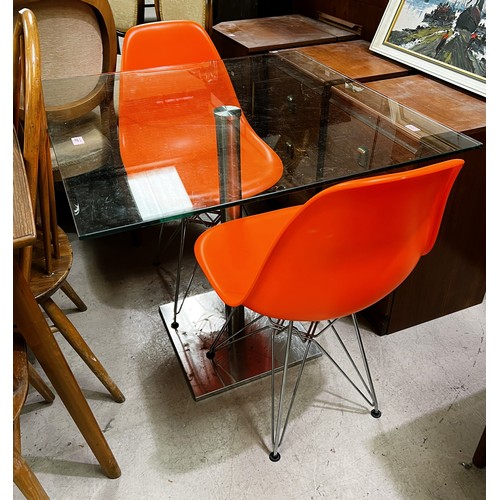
207, 219
279, 421
309, 337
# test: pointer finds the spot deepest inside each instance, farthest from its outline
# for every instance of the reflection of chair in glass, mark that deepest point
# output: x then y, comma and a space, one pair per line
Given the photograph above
199, 11
77, 37
343, 250
178, 128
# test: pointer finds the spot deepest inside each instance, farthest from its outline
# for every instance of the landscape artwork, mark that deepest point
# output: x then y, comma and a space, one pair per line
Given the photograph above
444, 39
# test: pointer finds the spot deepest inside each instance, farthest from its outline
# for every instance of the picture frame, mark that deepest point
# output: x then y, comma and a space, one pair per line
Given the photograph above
446, 39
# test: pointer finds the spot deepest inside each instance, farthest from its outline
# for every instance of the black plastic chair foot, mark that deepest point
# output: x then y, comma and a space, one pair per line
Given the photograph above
210, 354
174, 324
376, 413
273, 457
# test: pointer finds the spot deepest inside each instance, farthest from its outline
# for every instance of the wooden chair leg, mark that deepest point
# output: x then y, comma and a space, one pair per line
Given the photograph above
25, 479
16, 435
76, 341
38, 383
73, 296
33, 326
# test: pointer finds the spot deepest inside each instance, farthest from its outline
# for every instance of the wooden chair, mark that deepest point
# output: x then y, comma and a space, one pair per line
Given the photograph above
78, 37
22, 371
199, 11
126, 13
47, 265
35, 281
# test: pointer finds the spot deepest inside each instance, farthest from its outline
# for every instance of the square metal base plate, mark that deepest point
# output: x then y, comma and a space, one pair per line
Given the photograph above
201, 318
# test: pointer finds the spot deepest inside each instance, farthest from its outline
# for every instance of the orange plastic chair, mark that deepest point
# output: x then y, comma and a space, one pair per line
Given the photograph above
179, 129
342, 251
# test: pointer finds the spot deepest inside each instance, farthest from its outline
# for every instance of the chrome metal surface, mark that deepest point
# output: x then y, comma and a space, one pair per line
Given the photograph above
200, 320
227, 128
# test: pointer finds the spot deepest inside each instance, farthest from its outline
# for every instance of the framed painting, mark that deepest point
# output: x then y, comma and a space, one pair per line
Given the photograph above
444, 39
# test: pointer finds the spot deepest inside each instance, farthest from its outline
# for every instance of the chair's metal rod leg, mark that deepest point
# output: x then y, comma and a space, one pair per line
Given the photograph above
231, 340
276, 438
375, 412
327, 354
273, 372
211, 351
179, 265
186, 292
159, 248
350, 358
297, 382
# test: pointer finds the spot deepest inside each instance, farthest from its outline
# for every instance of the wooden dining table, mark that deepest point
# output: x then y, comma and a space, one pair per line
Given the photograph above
30, 322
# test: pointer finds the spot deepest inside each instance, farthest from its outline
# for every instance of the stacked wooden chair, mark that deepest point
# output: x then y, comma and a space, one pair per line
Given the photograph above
46, 264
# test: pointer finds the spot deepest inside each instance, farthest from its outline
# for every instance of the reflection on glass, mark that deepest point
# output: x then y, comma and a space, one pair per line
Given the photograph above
145, 149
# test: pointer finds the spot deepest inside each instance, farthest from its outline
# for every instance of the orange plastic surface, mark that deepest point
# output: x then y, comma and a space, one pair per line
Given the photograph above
166, 116
342, 251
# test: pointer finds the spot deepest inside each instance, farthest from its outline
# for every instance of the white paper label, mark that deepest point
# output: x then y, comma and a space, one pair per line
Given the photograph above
412, 128
77, 141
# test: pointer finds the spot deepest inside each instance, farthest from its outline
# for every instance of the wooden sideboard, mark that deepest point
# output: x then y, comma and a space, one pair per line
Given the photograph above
253, 36
453, 275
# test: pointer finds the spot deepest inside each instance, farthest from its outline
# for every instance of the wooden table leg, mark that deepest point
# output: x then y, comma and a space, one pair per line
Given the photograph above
31, 323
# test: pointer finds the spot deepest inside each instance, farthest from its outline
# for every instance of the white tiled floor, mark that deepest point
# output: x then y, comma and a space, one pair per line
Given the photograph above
430, 382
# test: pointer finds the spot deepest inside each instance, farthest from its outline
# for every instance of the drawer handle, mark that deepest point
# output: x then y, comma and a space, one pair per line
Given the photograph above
363, 157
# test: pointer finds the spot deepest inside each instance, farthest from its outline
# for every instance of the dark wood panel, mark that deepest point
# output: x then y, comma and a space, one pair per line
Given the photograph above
229, 10
224, 10
368, 13
452, 276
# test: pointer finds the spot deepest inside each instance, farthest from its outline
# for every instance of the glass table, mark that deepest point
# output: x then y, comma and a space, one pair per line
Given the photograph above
140, 148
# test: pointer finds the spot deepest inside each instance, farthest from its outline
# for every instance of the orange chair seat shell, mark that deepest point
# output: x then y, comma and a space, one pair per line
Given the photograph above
166, 115
342, 251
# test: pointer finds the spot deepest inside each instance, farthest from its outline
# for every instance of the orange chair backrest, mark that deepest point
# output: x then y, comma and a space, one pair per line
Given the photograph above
166, 115
166, 43
352, 244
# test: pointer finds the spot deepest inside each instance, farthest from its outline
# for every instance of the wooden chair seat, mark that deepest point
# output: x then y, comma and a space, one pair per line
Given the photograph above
44, 285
